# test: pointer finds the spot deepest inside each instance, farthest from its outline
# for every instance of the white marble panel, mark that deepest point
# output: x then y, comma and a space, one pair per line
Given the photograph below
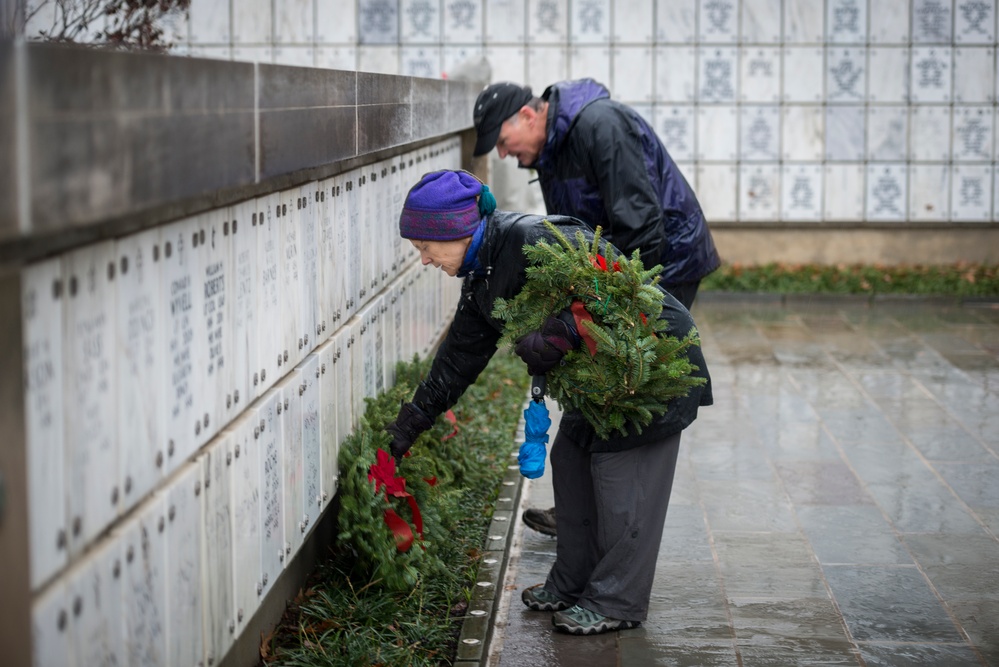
311, 429
888, 21
761, 22
290, 288
210, 52
462, 22
545, 66
676, 74
42, 294
378, 59
760, 133
253, 23
326, 270
139, 321
675, 127
185, 629
887, 192
253, 54
843, 185
801, 192
215, 286
209, 21
759, 192
505, 22
421, 21
929, 192
292, 482
721, 180
336, 57
929, 133
803, 22
803, 132
633, 75
308, 237
547, 22
185, 340
887, 134
803, 74
931, 75
269, 308
590, 61
633, 21
343, 372
370, 354
329, 440
760, 75
354, 349
932, 21
973, 134
676, 21
974, 75
369, 210
845, 133
293, 21
718, 21
391, 324
459, 59
378, 22
717, 133
846, 21
974, 22
509, 63
971, 195
176, 30
718, 71
244, 356
336, 22
342, 235
95, 591
246, 528
271, 470
689, 172
421, 61
89, 392
295, 56
399, 189
846, 75
217, 593
144, 595
355, 261
889, 74
51, 634
590, 22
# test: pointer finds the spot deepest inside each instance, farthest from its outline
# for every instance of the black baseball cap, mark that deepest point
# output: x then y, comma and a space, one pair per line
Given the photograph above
494, 105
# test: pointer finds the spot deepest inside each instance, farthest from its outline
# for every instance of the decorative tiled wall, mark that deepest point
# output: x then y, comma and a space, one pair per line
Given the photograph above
778, 111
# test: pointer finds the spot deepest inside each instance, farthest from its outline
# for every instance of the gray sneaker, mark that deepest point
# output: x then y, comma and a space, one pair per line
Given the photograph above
538, 599
542, 521
579, 621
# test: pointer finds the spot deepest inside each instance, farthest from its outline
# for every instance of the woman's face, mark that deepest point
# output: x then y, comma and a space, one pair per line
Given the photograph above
447, 256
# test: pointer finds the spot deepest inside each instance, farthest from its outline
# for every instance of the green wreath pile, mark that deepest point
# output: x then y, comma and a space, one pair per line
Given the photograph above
636, 368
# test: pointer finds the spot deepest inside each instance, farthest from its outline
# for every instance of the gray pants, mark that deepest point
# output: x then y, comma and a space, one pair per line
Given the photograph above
610, 508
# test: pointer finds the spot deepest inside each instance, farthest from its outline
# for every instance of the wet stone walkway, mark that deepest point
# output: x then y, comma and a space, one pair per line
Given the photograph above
838, 505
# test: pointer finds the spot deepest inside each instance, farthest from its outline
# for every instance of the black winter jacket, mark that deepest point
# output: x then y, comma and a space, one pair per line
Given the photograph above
471, 341
602, 163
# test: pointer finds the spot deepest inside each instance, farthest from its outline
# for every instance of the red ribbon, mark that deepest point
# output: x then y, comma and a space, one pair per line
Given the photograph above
382, 473
449, 415
580, 315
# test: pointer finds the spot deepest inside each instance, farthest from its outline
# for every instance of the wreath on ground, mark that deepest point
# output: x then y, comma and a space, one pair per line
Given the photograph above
627, 369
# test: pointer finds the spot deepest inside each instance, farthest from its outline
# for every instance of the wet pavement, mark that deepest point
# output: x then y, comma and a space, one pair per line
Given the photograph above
838, 505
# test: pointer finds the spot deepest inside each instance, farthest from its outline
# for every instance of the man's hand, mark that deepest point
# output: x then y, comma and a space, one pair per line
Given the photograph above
543, 350
406, 428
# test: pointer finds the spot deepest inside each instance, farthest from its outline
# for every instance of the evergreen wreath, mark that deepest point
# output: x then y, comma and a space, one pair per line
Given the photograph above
628, 369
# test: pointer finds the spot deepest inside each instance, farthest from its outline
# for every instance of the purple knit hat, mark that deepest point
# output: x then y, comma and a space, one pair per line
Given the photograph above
441, 207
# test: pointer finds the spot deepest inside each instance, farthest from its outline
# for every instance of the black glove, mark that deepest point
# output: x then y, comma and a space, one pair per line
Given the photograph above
543, 350
406, 428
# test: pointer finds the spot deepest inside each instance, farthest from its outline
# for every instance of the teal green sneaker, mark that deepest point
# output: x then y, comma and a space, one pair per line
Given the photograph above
579, 621
538, 599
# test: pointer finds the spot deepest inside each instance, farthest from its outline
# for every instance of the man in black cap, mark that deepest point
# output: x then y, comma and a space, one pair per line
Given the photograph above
598, 160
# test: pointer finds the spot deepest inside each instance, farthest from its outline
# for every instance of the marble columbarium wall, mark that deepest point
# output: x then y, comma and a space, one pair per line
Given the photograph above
782, 114
199, 315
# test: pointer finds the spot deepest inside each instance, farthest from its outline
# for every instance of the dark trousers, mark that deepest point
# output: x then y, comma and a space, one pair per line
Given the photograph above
684, 292
610, 508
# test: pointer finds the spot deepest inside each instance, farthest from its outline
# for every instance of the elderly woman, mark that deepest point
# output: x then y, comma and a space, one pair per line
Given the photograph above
611, 495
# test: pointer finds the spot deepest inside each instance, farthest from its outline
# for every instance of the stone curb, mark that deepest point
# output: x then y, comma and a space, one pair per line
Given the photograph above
477, 628
802, 298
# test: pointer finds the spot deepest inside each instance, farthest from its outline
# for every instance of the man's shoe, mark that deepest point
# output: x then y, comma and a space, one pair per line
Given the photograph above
579, 621
542, 521
538, 599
